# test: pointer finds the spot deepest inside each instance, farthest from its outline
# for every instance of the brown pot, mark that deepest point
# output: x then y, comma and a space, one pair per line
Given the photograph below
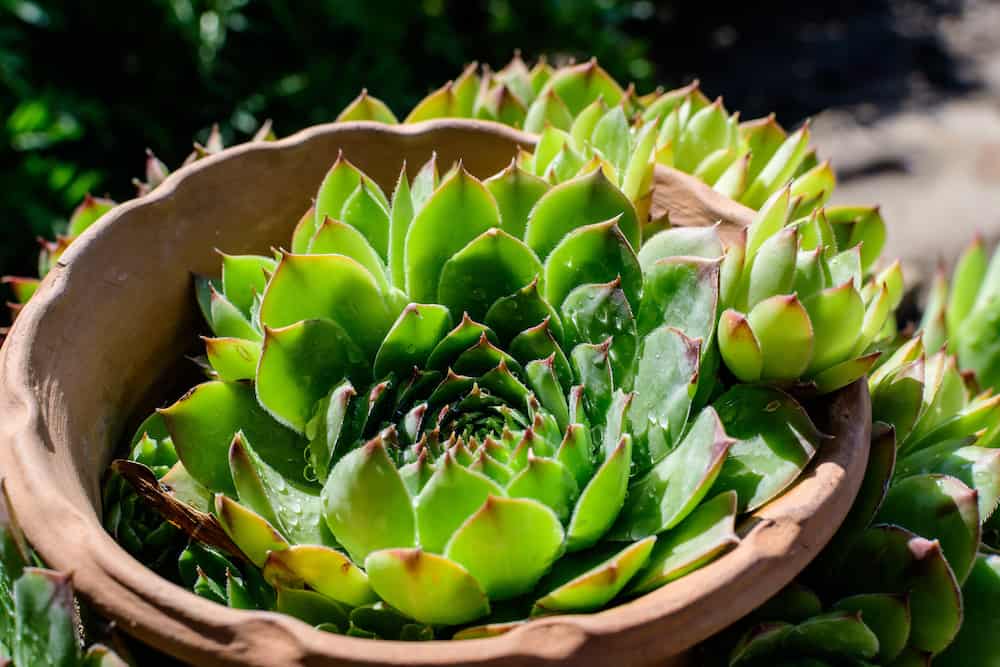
117, 312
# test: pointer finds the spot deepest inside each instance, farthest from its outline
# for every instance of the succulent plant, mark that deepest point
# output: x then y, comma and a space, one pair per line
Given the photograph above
928, 583
91, 209
38, 615
582, 115
445, 412
747, 161
798, 304
962, 315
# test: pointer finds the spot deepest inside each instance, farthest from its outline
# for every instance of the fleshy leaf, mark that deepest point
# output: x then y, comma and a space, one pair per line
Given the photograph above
366, 504
668, 493
490, 267
579, 202
681, 292
429, 588
44, 629
937, 507
525, 308
665, 385
900, 562
332, 287
366, 107
341, 238
580, 85
888, 616
516, 192
547, 481
507, 545
775, 440
233, 358
976, 641
243, 276
596, 253
785, 334
678, 241
323, 569
700, 538
300, 363
585, 589
433, 238
739, 346
593, 312
252, 533
417, 331
202, 425
602, 498
451, 495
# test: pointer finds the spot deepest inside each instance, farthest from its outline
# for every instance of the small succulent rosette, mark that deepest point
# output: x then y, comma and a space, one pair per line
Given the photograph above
924, 523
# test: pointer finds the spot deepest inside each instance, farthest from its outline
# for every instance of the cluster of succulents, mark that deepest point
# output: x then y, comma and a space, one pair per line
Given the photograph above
963, 315
414, 428
548, 411
924, 523
38, 614
581, 114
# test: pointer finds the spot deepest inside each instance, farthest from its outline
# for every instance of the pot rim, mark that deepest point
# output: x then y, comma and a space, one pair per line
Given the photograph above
778, 540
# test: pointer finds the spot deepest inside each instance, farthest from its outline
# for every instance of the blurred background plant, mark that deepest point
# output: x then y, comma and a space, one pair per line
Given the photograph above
84, 90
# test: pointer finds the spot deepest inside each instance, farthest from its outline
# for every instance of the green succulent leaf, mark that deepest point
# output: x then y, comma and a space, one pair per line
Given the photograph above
202, 425
300, 363
671, 490
493, 265
887, 616
900, 562
410, 341
775, 440
665, 385
507, 545
293, 508
234, 359
332, 287
975, 643
451, 495
590, 582
594, 312
700, 538
937, 507
596, 253
366, 505
322, 569
433, 238
429, 588
44, 629
252, 533
602, 498
312, 607
579, 202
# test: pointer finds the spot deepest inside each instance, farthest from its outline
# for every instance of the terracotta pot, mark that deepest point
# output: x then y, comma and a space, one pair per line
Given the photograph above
118, 311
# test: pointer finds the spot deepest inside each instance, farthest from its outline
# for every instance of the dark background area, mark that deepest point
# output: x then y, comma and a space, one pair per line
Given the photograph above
86, 87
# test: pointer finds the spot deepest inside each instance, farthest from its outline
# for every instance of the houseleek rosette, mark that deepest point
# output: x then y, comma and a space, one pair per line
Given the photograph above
799, 304
470, 403
908, 578
746, 161
581, 114
38, 614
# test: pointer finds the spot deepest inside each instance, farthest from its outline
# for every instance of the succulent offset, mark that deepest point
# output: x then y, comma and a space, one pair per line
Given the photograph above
447, 411
924, 524
38, 616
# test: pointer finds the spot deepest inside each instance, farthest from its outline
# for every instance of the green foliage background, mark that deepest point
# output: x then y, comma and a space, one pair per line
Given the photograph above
84, 87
